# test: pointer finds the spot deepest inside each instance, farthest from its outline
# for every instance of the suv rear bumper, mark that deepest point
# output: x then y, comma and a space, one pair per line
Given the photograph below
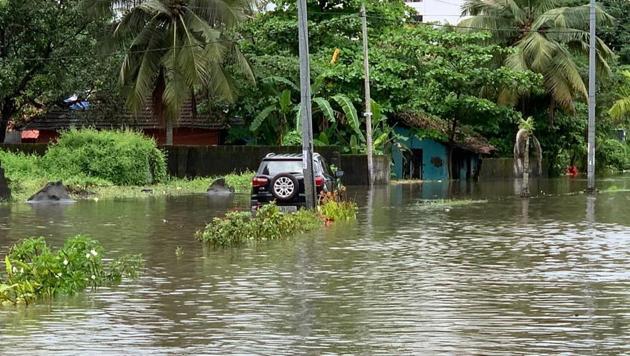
263, 198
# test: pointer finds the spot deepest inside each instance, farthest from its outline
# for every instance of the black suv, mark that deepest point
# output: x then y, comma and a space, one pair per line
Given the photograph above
280, 178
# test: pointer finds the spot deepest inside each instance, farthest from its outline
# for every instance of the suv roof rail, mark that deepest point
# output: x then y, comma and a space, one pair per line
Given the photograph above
288, 155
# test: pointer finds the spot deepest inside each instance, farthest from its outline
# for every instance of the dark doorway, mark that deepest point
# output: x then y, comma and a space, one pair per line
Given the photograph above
416, 164
412, 164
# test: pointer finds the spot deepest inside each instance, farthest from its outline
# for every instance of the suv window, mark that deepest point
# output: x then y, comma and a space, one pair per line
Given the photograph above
272, 168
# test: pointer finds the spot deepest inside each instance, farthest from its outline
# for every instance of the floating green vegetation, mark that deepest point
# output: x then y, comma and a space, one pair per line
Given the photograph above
269, 223
614, 189
34, 271
448, 203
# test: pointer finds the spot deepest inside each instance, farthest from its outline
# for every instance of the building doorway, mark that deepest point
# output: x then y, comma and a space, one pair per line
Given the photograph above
412, 165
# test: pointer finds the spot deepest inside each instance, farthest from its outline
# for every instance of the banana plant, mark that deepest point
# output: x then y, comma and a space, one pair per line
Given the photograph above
282, 106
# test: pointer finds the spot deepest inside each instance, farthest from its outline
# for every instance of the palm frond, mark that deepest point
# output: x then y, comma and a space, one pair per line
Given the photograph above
283, 80
325, 108
576, 17
350, 112
261, 117
620, 109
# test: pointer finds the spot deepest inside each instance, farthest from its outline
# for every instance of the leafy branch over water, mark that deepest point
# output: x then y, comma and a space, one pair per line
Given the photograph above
34, 271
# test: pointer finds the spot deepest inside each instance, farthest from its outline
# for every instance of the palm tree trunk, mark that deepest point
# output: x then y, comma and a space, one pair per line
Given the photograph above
525, 187
169, 132
159, 111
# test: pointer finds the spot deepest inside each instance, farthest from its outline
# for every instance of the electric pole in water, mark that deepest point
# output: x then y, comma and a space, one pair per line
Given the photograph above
591, 102
306, 110
368, 100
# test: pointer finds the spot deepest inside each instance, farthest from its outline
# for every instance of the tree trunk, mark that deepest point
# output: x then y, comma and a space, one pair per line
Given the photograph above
525, 187
169, 132
451, 142
159, 113
6, 111
4, 121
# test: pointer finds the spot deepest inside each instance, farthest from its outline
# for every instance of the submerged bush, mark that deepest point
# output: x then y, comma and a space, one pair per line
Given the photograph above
236, 228
35, 271
269, 223
333, 207
119, 157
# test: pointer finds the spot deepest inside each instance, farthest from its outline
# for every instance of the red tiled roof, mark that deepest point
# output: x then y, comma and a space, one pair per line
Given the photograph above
59, 119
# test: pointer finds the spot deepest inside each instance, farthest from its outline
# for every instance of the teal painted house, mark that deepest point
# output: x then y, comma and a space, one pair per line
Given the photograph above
428, 159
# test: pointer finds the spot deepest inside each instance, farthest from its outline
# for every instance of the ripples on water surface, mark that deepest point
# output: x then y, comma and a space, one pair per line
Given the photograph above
498, 277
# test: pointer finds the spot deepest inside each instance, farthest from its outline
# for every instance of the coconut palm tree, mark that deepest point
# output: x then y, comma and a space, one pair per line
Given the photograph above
545, 38
621, 107
174, 47
524, 135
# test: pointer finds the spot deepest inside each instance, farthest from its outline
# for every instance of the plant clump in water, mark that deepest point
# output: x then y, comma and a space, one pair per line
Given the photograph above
448, 203
34, 271
269, 223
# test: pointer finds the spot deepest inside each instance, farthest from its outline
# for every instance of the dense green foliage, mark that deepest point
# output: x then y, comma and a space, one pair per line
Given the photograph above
519, 59
545, 38
238, 227
49, 51
119, 157
436, 72
34, 271
173, 49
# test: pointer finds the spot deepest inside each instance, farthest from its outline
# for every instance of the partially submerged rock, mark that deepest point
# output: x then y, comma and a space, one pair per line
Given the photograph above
53, 192
5, 191
218, 188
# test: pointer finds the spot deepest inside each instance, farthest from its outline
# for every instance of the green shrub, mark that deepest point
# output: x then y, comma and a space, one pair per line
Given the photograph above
611, 153
19, 166
333, 210
119, 157
241, 183
34, 271
269, 223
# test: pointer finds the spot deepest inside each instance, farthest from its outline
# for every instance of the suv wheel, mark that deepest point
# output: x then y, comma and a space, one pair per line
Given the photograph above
284, 186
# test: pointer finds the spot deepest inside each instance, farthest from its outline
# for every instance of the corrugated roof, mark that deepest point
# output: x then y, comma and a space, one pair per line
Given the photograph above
464, 139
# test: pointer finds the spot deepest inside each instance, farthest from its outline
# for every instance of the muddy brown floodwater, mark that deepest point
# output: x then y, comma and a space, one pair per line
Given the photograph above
500, 276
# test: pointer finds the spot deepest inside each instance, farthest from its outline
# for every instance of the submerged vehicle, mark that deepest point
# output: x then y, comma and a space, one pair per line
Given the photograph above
280, 179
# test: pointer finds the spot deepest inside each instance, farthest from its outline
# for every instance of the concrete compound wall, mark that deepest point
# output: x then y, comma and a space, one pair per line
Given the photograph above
200, 161
503, 168
196, 161
355, 169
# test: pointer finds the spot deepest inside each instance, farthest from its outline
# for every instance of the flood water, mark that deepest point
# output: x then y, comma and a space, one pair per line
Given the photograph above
501, 276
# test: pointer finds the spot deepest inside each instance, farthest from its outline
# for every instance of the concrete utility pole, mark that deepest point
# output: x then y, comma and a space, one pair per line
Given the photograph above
307, 121
591, 102
368, 100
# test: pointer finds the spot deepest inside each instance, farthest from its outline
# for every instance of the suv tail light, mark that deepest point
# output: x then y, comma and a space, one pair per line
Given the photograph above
319, 181
259, 182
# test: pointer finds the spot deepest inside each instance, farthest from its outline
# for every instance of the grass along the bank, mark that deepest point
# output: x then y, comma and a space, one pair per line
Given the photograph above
104, 165
27, 175
240, 183
33, 271
237, 227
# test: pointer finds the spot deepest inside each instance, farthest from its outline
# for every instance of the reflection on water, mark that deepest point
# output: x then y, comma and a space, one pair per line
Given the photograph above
544, 275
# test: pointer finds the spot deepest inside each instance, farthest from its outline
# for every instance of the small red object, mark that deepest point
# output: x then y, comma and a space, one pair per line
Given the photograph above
572, 171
